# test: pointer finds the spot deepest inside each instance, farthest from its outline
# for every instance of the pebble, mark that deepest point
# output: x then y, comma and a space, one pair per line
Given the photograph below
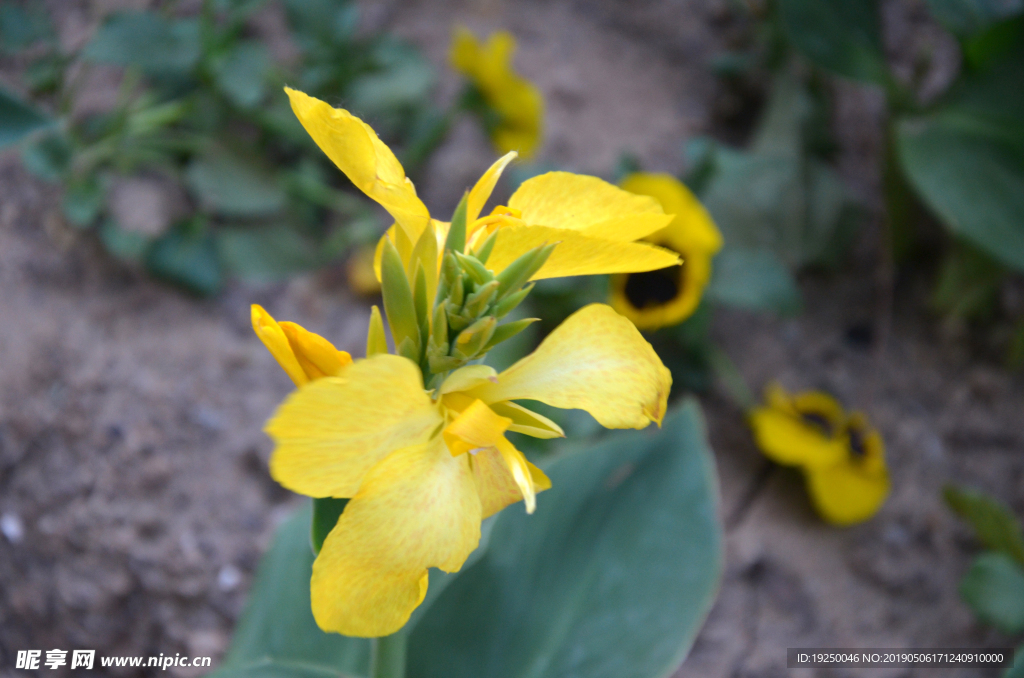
229, 577
12, 527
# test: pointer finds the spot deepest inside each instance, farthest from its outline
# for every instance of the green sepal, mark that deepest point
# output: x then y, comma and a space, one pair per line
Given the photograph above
477, 302
456, 240
408, 349
422, 305
472, 339
326, 512
376, 340
519, 271
509, 303
507, 331
483, 253
457, 294
474, 269
398, 301
444, 364
456, 322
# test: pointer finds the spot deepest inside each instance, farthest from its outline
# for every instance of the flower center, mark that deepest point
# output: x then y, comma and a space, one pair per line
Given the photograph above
857, 447
654, 288
818, 421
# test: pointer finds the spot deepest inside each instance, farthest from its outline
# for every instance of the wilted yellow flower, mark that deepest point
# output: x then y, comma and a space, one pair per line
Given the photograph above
517, 103
424, 463
841, 456
670, 295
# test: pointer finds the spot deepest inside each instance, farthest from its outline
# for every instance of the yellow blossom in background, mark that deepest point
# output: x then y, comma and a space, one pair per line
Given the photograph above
360, 274
841, 456
424, 463
517, 103
670, 295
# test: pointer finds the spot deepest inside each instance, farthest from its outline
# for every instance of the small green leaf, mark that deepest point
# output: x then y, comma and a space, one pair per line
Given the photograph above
994, 588
187, 256
47, 156
753, 279
403, 80
124, 245
20, 29
996, 527
266, 253
611, 577
966, 17
1017, 670
844, 36
241, 73
157, 45
325, 516
233, 186
277, 634
17, 119
83, 201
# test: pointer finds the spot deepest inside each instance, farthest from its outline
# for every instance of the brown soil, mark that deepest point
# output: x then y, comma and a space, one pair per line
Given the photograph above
131, 451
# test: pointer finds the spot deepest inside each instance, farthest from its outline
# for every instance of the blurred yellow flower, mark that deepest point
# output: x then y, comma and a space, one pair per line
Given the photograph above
594, 224
841, 456
423, 468
517, 103
359, 271
667, 296
303, 355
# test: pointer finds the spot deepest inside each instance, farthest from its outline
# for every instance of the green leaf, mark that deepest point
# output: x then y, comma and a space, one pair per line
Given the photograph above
20, 29
17, 119
47, 156
965, 17
124, 245
844, 36
277, 635
969, 283
986, 47
187, 256
404, 79
1017, 670
753, 279
326, 512
241, 73
232, 186
83, 201
612, 576
966, 160
266, 253
997, 529
159, 46
994, 588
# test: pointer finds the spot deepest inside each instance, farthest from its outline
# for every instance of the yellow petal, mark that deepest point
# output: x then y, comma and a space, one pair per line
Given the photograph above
467, 377
465, 51
368, 163
595, 361
528, 422
485, 186
845, 494
576, 253
418, 508
523, 473
575, 201
629, 228
316, 355
332, 431
274, 338
476, 427
692, 228
788, 440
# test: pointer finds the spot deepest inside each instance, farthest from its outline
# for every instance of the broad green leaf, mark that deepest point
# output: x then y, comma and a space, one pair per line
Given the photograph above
124, 245
965, 17
232, 186
966, 159
404, 79
774, 197
47, 156
844, 36
994, 588
1017, 670
968, 284
187, 256
17, 119
612, 576
20, 28
266, 252
753, 279
146, 40
996, 527
986, 47
277, 634
241, 73
83, 201
326, 512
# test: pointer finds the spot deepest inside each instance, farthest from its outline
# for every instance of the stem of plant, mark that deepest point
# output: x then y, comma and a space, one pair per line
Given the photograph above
387, 659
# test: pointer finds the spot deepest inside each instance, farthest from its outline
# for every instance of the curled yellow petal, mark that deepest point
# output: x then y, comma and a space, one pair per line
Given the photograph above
303, 355
576, 253
527, 421
467, 377
691, 227
417, 508
788, 440
368, 163
844, 494
483, 188
595, 361
329, 433
476, 427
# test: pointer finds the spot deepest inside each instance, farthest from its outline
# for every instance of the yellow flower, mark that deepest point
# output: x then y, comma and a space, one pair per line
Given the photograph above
360, 272
303, 355
423, 468
594, 224
670, 295
517, 103
841, 456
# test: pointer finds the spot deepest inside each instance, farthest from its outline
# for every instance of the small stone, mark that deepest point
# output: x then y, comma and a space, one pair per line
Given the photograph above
229, 577
12, 527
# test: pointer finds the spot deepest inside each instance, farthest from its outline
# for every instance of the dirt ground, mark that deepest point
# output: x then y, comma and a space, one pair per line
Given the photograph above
134, 497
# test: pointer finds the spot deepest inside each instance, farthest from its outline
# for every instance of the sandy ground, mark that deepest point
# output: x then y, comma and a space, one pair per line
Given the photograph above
134, 494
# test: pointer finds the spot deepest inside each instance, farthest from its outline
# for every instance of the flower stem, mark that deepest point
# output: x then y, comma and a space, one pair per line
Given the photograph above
388, 656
